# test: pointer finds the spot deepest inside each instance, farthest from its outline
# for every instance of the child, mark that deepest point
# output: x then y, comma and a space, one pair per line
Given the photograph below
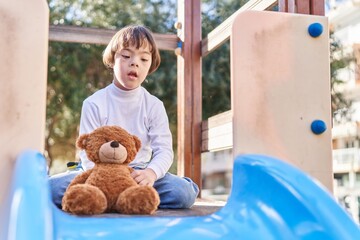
132, 54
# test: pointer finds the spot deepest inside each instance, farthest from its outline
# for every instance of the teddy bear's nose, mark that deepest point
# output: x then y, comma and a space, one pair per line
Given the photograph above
114, 144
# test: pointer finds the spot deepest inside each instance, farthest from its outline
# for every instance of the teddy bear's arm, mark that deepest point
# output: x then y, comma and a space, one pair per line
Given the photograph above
81, 178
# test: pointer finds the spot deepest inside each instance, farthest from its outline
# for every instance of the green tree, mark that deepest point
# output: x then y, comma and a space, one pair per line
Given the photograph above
74, 72
216, 66
340, 105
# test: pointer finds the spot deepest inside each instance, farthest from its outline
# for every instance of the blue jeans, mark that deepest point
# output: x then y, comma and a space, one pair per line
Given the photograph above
174, 191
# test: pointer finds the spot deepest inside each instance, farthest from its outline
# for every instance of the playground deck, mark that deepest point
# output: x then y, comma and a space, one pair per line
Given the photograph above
202, 207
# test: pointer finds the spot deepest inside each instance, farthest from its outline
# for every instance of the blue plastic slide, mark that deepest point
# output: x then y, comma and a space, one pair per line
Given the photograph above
269, 200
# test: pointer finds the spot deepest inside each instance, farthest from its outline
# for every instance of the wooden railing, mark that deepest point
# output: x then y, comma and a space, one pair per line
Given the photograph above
222, 33
62, 33
217, 132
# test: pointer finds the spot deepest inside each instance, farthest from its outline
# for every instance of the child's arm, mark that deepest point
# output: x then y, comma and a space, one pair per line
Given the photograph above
160, 140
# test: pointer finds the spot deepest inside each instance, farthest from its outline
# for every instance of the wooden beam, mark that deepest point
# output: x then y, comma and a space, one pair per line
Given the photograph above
189, 90
61, 33
222, 32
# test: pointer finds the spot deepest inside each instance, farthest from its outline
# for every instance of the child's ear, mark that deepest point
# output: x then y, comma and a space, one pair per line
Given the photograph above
82, 141
137, 142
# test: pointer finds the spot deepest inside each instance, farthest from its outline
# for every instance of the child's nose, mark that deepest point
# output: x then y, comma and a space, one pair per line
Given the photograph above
134, 62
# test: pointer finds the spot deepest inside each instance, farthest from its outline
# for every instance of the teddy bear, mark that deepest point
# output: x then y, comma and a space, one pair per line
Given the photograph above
108, 186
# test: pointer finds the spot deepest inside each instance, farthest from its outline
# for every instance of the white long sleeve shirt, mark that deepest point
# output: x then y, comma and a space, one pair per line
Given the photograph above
138, 112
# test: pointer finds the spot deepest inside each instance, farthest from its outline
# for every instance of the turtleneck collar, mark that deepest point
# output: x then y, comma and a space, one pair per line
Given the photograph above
125, 95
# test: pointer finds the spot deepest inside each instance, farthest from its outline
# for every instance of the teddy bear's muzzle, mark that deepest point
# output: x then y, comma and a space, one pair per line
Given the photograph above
112, 152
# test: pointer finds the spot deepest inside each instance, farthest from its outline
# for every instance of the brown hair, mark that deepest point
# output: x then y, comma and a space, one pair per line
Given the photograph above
136, 36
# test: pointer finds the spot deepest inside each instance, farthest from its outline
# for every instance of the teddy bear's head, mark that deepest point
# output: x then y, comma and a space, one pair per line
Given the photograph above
109, 144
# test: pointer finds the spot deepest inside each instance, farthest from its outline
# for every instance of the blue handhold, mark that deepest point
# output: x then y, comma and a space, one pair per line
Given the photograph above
315, 29
179, 44
318, 127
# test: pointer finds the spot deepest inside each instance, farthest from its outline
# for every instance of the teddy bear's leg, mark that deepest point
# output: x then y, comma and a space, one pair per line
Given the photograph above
138, 200
84, 199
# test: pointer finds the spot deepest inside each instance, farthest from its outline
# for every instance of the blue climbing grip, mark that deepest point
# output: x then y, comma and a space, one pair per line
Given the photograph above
179, 44
318, 127
315, 29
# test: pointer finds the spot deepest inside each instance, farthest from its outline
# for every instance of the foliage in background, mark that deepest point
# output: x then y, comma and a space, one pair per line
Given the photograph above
74, 72
340, 106
216, 66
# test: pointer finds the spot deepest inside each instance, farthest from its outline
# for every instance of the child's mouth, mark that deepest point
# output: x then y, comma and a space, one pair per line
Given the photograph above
132, 75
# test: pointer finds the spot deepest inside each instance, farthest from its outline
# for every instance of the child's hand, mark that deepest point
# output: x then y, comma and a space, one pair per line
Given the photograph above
145, 177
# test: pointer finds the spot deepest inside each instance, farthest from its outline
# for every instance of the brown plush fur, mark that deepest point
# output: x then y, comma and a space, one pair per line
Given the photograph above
108, 187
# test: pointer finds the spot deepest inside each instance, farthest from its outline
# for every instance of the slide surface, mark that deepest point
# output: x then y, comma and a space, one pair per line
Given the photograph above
270, 199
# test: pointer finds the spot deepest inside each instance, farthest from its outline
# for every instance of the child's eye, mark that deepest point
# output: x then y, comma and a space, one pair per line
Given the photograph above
144, 59
125, 56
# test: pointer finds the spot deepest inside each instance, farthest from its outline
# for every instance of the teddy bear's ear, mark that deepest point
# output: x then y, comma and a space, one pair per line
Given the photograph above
81, 141
137, 142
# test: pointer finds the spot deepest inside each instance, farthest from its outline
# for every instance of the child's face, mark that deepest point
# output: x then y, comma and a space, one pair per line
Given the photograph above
131, 66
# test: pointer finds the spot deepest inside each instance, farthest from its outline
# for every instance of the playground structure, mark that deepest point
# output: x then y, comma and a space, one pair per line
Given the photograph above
273, 110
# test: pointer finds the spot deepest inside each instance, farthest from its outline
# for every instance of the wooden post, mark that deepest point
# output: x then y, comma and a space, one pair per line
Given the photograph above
312, 7
189, 90
317, 7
